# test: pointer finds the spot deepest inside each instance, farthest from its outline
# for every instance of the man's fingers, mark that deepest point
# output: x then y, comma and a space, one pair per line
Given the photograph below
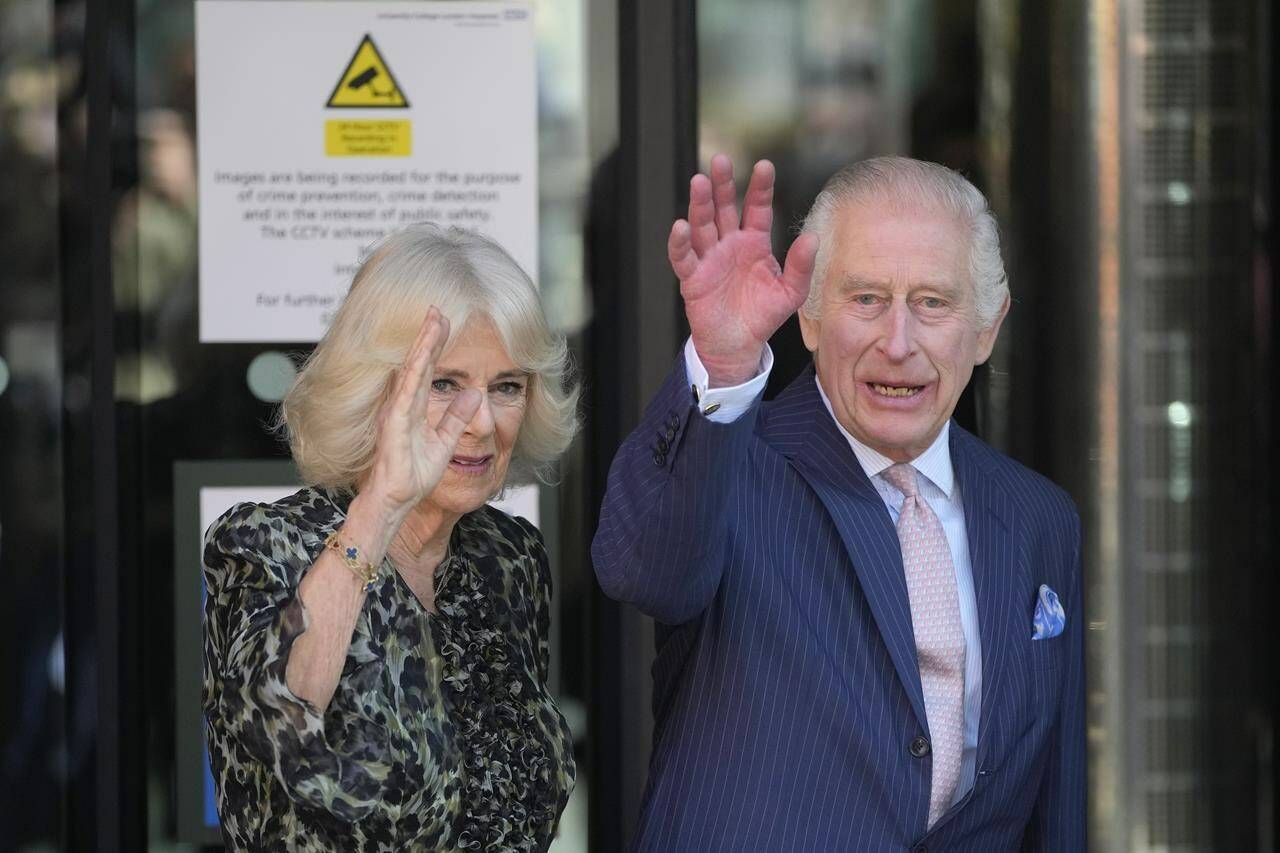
702, 212
724, 194
797, 271
757, 205
455, 418
680, 250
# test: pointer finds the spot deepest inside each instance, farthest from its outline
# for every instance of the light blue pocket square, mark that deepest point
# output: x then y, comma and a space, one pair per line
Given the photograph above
1050, 618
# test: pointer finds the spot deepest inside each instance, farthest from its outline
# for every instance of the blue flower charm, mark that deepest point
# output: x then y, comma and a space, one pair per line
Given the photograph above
352, 553
1050, 618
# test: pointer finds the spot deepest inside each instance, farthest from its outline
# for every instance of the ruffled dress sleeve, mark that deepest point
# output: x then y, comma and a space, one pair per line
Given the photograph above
254, 558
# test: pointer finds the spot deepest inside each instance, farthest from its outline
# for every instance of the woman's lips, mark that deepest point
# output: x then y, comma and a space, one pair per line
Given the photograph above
471, 464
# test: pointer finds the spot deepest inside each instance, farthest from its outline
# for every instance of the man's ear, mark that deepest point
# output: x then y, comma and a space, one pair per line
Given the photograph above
987, 337
810, 330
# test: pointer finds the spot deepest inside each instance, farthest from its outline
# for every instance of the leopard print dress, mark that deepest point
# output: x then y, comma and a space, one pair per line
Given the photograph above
441, 734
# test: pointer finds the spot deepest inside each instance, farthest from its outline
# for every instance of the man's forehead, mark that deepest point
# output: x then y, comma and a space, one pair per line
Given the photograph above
867, 238
852, 281
890, 213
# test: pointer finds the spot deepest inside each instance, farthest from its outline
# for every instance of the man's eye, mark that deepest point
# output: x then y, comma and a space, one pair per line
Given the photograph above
865, 299
933, 302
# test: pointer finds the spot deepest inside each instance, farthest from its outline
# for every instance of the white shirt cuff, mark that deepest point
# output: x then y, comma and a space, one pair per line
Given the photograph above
725, 405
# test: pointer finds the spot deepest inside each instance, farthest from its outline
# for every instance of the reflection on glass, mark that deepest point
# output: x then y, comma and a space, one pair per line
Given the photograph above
814, 85
563, 175
36, 753
270, 375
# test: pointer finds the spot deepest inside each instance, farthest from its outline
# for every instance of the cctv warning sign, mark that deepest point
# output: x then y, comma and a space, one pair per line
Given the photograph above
368, 82
432, 118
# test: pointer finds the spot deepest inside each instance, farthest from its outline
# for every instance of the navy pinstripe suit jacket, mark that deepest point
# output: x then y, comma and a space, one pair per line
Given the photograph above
786, 689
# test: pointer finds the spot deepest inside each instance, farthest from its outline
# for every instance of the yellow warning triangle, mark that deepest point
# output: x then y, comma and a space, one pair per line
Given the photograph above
368, 81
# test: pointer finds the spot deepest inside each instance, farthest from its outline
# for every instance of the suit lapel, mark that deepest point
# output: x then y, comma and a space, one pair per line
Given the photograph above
989, 523
800, 427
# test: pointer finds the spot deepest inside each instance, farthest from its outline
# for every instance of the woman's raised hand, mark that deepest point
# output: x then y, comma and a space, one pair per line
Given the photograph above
412, 454
735, 294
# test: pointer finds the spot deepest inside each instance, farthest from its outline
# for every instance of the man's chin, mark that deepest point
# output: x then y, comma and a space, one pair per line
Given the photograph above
899, 442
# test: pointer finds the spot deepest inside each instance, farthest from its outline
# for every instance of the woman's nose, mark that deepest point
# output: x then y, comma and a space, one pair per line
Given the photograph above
481, 424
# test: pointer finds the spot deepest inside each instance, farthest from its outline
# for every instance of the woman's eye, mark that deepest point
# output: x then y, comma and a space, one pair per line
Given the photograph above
442, 386
509, 389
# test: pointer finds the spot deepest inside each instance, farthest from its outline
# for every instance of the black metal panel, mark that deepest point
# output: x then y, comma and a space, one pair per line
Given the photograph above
636, 193
106, 799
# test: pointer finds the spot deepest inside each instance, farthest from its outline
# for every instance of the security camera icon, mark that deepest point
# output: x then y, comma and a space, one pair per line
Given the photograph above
366, 78
367, 81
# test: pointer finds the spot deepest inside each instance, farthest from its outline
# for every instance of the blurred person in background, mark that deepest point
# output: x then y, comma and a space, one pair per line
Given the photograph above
376, 645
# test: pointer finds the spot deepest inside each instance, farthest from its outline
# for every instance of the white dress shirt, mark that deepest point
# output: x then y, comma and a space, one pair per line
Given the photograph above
939, 489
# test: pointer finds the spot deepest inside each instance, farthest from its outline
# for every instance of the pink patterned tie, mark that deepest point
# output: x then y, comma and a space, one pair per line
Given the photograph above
935, 618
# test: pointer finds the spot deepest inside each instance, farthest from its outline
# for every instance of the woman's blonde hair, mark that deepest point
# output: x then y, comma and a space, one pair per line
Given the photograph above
331, 413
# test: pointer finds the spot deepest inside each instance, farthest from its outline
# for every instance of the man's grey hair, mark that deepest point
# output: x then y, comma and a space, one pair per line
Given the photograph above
912, 184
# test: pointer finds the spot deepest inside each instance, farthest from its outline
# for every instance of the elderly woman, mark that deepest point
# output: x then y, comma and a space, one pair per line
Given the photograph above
376, 648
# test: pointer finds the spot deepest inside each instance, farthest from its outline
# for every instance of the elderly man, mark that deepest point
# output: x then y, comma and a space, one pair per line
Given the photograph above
869, 622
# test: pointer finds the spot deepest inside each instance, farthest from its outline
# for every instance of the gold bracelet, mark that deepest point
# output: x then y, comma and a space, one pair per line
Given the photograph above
350, 556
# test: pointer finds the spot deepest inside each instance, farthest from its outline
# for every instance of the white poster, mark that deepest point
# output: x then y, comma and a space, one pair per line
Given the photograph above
215, 500
325, 125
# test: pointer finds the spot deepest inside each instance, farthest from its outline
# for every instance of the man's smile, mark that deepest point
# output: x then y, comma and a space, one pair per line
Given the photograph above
895, 390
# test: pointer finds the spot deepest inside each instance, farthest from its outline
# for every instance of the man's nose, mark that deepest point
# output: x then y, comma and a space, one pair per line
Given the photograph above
898, 340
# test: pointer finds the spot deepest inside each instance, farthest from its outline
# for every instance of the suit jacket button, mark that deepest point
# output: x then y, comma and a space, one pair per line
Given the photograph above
671, 431
659, 459
919, 848
919, 746
663, 445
